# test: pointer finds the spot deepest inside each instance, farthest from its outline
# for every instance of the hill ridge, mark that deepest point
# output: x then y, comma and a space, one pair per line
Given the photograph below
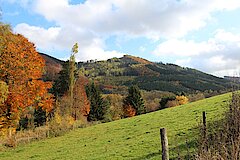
128, 70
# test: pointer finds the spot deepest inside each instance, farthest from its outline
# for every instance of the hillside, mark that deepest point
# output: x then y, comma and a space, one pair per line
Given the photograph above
53, 67
148, 75
131, 138
232, 78
116, 74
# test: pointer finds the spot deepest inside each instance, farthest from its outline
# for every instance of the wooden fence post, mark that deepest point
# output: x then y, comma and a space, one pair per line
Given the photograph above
204, 125
204, 119
205, 142
164, 142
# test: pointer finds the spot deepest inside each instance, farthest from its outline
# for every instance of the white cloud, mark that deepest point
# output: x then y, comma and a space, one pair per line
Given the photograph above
91, 22
222, 35
55, 38
44, 38
219, 55
149, 18
175, 47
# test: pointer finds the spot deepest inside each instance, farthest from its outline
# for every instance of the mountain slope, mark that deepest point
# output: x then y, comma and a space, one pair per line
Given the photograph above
131, 138
119, 73
148, 75
52, 67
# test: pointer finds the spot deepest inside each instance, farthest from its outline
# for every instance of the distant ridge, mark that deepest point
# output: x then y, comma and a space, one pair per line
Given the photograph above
129, 70
232, 78
119, 73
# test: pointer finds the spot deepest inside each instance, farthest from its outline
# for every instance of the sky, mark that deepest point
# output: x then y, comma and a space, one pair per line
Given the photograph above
204, 35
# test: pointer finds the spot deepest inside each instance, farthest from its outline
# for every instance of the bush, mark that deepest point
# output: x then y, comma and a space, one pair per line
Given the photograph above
182, 100
116, 106
223, 138
165, 100
60, 125
196, 97
172, 103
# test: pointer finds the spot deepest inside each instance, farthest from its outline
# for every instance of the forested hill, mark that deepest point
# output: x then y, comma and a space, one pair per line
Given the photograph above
115, 74
53, 67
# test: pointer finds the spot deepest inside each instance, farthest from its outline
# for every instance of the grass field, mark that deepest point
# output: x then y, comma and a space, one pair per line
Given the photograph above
132, 138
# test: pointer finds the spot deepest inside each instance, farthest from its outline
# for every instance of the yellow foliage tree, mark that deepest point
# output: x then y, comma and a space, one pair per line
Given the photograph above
182, 100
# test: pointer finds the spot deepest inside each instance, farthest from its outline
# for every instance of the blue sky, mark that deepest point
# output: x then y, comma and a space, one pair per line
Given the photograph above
200, 34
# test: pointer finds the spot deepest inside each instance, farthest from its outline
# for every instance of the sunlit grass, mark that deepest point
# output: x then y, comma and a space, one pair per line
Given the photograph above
132, 138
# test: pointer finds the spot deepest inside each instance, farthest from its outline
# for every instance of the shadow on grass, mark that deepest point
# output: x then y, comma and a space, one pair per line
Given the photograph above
148, 156
185, 147
188, 146
184, 151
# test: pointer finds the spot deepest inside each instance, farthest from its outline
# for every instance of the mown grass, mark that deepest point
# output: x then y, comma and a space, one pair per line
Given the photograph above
132, 138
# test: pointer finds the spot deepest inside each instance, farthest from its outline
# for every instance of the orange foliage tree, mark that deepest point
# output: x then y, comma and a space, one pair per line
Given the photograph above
21, 68
129, 111
81, 104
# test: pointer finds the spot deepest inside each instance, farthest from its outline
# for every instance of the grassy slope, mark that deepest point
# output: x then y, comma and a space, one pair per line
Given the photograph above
132, 138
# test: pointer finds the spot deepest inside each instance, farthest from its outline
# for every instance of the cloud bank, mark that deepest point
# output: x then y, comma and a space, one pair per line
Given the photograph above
219, 55
92, 22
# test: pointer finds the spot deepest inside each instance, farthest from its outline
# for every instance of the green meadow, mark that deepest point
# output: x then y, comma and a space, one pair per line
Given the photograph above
131, 138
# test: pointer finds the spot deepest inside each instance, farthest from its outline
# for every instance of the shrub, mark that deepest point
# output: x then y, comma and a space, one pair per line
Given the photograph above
172, 103
182, 100
223, 138
196, 97
165, 100
59, 125
116, 106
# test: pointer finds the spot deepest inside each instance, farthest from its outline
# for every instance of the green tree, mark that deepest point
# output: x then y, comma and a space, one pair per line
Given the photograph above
135, 100
61, 85
98, 106
39, 117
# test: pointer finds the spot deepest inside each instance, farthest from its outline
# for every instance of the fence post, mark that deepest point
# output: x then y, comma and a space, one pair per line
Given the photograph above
164, 142
204, 125
205, 147
204, 119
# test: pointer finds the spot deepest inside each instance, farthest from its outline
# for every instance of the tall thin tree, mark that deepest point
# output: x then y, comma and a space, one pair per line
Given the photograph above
72, 68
